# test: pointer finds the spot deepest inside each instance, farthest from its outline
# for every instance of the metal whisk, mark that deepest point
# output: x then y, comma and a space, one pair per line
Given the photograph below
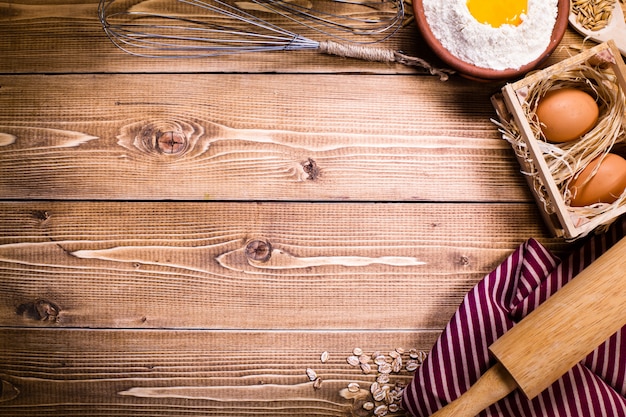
201, 28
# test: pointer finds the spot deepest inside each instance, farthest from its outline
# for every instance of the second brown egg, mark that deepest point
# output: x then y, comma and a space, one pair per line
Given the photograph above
603, 180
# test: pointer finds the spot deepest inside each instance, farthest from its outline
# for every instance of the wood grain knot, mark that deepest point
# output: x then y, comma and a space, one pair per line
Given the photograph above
170, 142
8, 391
40, 310
259, 250
311, 169
165, 137
41, 215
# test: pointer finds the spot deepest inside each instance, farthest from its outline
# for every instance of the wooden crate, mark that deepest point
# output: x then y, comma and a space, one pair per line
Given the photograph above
557, 214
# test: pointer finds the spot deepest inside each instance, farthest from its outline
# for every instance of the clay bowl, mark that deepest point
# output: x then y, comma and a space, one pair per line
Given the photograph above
486, 74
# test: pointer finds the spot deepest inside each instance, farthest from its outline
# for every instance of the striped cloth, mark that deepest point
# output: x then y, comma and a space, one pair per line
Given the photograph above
595, 387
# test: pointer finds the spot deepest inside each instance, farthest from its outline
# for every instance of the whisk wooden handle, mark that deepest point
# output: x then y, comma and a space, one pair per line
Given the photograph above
376, 54
555, 336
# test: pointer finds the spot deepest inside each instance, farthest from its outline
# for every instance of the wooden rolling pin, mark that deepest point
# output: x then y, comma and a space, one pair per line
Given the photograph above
554, 337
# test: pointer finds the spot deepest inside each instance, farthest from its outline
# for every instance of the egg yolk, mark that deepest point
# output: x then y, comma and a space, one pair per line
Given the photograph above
497, 12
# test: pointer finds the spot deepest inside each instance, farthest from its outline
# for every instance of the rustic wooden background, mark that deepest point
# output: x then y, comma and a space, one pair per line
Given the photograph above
318, 204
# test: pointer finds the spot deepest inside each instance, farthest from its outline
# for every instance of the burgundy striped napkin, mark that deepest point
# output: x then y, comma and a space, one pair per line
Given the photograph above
596, 387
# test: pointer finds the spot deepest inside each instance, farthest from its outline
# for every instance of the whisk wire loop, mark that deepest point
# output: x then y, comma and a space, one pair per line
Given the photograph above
197, 28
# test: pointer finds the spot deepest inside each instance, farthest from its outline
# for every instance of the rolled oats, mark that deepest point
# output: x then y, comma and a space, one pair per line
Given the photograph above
383, 378
396, 365
374, 387
384, 396
412, 365
353, 360
369, 406
366, 368
385, 368
380, 360
381, 410
353, 387
363, 358
311, 374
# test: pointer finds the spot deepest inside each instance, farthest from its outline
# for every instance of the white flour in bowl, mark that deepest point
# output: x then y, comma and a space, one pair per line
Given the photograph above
504, 47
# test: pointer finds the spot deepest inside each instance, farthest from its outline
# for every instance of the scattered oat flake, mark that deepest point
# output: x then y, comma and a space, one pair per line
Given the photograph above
396, 365
412, 365
380, 360
357, 351
374, 387
379, 394
392, 396
324, 357
369, 406
381, 410
311, 374
353, 387
317, 384
385, 368
353, 360
366, 368
382, 378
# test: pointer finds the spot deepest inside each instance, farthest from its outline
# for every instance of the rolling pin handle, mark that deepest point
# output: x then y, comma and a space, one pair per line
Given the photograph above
491, 387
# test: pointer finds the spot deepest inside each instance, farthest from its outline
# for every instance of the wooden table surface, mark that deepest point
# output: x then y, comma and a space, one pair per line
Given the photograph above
318, 204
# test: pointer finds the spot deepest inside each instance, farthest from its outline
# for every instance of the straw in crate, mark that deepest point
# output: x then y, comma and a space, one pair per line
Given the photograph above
550, 168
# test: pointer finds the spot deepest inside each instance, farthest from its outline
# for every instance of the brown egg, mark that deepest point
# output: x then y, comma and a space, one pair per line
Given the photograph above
605, 186
566, 114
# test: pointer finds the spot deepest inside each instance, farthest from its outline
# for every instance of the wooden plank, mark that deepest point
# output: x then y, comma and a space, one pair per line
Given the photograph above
252, 137
191, 265
41, 37
172, 373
